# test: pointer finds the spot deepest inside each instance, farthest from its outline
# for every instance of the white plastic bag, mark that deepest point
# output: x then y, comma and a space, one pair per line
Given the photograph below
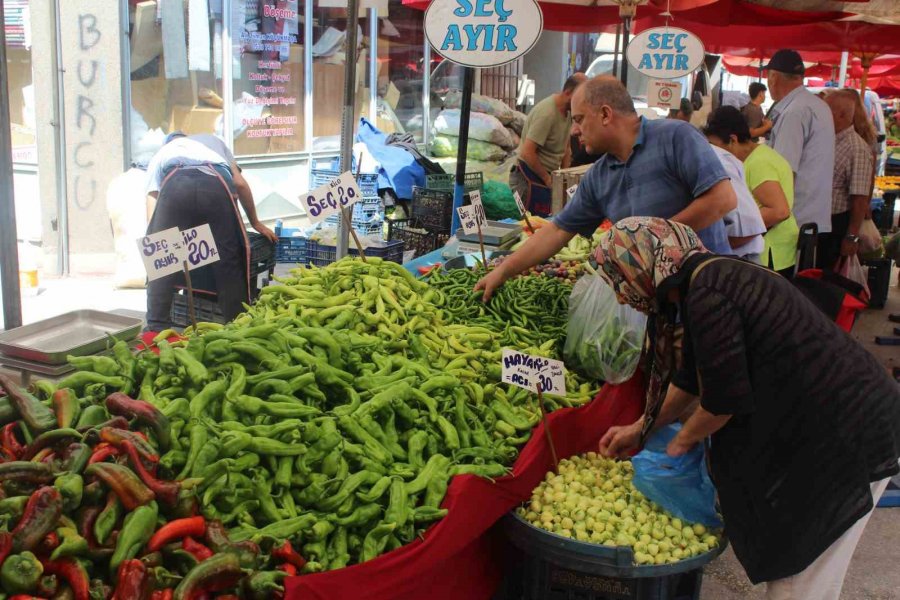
852, 269
604, 338
481, 127
869, 238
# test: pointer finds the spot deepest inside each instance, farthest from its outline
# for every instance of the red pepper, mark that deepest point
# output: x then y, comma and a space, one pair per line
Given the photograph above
143, 412
44, 455
25, 597
39, 518
288, 568
133, 581
175, 530
7, 455
196, 549
286, 553
74, 574
48, 544
102, 451
6, 542
166, 491
116, 436
9, 440
165, 594
86, 524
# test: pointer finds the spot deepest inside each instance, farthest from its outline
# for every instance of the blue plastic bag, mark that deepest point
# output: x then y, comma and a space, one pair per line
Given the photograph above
681, 485
399, 169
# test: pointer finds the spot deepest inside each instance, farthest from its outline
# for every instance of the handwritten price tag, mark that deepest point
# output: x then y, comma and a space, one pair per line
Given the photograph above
162, 253
200, 246
467, 219
571, 191
534, 372
475, 200
330, 198
519, 203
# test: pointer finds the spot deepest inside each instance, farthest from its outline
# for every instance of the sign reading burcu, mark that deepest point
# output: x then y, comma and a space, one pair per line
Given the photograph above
665, 52
483, 33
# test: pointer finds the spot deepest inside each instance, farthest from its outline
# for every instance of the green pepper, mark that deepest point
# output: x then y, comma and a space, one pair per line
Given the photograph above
71, 486
20, 573
397, 511
196, 372
436, 464
136, 531
83, 379
376, 540
220, 571
212, 391
91, 416
13, 506
416, 444
107, 520
35, 414
71, 544
376, 491
66, 407
264, 584
361, 515
99, 364
338, 549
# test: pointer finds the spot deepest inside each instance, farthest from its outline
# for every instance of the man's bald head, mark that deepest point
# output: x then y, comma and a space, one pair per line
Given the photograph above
606, 90
573, 82
603, 115
843, 107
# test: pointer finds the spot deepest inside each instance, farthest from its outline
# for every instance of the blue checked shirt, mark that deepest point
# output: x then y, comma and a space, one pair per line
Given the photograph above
670, 165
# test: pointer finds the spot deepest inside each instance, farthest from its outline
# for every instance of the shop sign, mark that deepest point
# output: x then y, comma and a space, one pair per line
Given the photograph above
165, 252
483, 33
665, 52
534, 373
663, 94
332, 197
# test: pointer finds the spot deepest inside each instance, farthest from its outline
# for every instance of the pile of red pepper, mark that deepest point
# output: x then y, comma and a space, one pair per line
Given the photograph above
84, 516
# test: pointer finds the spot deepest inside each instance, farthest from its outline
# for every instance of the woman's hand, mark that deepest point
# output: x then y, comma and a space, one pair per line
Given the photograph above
677, 447
619, 442
265, 231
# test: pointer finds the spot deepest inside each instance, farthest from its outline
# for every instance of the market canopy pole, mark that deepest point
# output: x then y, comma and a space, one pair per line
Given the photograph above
842, 75
9, 253
866, 59
459, 190
349, 114
627, 10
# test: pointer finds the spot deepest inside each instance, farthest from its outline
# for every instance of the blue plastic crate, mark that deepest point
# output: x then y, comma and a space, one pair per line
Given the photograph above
290, 248
367, 182
321, 255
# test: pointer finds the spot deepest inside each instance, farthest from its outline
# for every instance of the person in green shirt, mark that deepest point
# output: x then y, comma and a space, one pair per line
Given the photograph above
545, 141
770, 179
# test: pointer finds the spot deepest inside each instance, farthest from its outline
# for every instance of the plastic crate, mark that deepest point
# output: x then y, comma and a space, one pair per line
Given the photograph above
262, 253
321, 255
290, 248
551, 567
206, 308
884, 219
446, 182
879, 280
433, 209
367, 182
413, 235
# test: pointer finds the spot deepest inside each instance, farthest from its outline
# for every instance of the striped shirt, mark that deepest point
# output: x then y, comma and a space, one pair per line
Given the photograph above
852, 169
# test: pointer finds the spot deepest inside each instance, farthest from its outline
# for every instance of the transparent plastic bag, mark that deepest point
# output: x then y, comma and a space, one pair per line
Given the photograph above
870, 242
852, 269
604, 338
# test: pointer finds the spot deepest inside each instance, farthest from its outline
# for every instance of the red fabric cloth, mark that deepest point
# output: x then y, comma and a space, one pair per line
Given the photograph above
147, 341
850, 306
458, 557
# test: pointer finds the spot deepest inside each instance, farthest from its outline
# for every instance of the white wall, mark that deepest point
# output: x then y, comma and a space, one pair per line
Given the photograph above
546, 64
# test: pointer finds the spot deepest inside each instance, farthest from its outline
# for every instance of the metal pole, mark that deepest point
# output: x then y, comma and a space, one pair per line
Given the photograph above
373, 66
426, 95
842, 75
9, 252
615, 68
62, 177
464, 114
626, 33
349, 113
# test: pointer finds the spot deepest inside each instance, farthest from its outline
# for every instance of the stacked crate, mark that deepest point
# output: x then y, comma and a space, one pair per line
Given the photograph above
368, 213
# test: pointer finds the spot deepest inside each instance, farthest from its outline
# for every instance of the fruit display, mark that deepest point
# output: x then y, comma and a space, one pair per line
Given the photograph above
591, 499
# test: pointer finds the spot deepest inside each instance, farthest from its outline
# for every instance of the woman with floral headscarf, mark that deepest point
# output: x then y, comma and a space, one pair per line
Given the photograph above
804, 423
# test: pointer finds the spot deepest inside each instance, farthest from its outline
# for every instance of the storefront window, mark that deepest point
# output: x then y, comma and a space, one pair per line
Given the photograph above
17, 27
268, 77
176, 71
401, 71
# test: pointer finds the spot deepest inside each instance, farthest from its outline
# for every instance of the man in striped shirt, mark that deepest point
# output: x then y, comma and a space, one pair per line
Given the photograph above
853, 172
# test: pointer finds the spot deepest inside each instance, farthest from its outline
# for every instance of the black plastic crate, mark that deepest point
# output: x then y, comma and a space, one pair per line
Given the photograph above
414, 235
262, 253
291, 249
206, 308
433, 209
884, 218
446, 182
367, 182
321, 255
879, 280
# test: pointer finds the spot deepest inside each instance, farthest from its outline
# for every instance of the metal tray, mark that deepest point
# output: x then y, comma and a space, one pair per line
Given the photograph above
78, 333
495, 233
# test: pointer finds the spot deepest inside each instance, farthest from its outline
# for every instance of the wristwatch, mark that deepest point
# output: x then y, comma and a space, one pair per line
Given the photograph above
852, 238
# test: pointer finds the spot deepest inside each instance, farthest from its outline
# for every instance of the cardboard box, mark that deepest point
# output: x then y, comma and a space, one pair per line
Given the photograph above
148, 97
194, 119
328, 95
563, 179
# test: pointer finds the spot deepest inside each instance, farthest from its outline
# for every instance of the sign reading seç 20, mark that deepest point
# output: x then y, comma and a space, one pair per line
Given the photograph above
483, 33
665, 52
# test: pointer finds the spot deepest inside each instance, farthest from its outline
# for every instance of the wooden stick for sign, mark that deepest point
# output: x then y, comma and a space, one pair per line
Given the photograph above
547, 429
348, 220
481, 243
528, 221
190, 292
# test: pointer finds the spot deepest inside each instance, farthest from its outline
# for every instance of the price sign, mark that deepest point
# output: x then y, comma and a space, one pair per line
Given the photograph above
467, 219
200, 246
330, 198
534, 372
571, 191
162, 253
475, 200
519, 203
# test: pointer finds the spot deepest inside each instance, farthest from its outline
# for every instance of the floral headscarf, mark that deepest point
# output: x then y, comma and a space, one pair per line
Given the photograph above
636, 256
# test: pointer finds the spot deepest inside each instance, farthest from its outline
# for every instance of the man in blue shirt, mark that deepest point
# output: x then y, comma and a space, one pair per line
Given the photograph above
659, 168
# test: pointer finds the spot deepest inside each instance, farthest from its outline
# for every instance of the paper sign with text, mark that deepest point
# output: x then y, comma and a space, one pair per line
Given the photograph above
475, 200
571, 191
664, 94
519, 203
534, 372
467, 219
162, 252
330, 198
199, 246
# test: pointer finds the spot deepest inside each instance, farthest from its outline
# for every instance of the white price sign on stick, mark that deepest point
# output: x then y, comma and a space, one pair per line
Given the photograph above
467, 219
199, 246
519, 203
534, 373
571, 191
330, 198
162, 252
475, 201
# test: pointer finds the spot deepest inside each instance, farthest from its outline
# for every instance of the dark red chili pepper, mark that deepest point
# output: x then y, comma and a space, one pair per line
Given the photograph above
26, 471
102, 451
165, 594
122, 480
86, 524
176, 530
48, 544
286, 553
6, 543
217, 573
288, 568
25, 597
49, 441
117, 436
73, 572
9, 440
133, 581
115, 423
7, 456
195, 549
166, 491
41, 513
144, 413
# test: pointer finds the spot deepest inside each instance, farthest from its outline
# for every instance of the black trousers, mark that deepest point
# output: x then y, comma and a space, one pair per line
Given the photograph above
828, 249
189, 198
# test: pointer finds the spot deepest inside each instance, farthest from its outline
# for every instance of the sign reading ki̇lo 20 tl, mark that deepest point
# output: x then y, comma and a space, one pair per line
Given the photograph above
665, 52
483, 33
